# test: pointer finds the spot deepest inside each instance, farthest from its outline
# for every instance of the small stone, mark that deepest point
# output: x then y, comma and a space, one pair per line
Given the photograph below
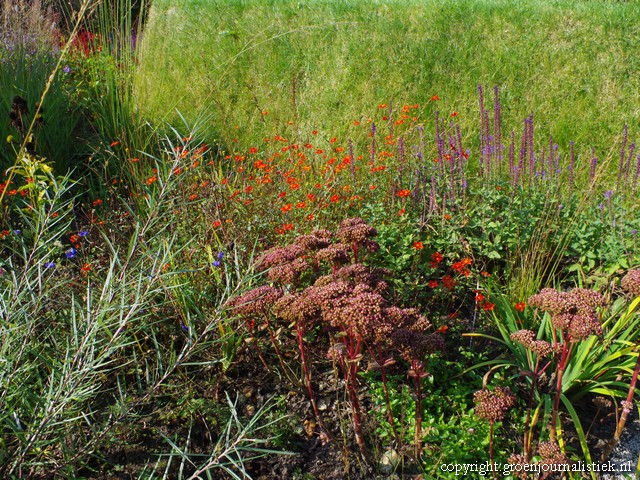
389, 461
323, 404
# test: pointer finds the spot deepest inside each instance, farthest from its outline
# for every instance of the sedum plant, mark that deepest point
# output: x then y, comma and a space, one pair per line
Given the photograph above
321, 283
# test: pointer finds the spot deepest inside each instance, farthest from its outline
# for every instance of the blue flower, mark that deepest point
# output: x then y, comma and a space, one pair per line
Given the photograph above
66, 69
17, 232
49, 265
608, 194
216, 263
634, 232
71, 252
220, 255
83, 233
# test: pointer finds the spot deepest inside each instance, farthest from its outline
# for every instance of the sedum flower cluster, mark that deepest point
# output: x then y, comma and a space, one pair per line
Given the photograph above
574, 313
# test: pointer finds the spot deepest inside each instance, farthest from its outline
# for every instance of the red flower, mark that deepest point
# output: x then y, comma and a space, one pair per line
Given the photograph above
454, 114
434, 98
488, 306
403, 193
253, 150
520, 306
433, 283
418, 245
479, 297
448, 282
217, 223
86, 268
335, 198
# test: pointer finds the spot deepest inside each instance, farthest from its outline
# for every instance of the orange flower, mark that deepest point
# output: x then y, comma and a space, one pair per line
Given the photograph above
488, 306
442, 329
135, 160
403, 193
434, 98
193, 197
418, 245
114, 143
217, 223
150, 180
314, 132
372, 187
479, 297
401, 212
454, 114
253, 150
485, 274
310, 216
448, 282
286, 208
335, 198
301, 204
520, 306
86, 268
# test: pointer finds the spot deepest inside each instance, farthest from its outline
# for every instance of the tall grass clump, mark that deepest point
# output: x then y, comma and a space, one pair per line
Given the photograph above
30, 46
309, 67
97, 325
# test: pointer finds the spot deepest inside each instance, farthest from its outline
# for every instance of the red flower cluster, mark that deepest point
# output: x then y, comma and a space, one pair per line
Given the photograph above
461, 267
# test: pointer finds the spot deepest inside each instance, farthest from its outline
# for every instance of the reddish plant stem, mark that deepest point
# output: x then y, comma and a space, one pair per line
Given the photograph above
418, 368
495, 476
379, 357
272, 335
562, 365
307, 377
626, 409
353, 344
